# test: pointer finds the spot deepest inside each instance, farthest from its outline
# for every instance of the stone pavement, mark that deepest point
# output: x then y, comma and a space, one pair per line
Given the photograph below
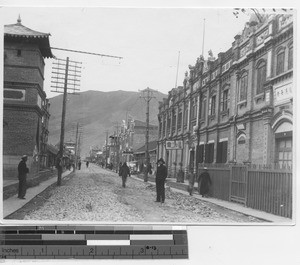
13, 204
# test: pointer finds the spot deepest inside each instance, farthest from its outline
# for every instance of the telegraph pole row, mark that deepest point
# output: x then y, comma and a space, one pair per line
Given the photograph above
62, 82
147, 95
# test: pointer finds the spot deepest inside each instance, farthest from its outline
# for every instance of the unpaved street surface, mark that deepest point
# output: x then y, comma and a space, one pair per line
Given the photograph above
95, 194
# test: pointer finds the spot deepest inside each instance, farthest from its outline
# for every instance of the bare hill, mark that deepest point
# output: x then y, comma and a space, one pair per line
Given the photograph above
96, 112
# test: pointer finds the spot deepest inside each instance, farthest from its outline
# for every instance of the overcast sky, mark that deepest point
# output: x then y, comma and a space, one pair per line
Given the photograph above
148, 39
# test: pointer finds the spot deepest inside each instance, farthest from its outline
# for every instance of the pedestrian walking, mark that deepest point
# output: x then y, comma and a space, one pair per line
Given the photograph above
23, 170
79, 165
191, 178
125, 172
87, 164
161, 175
204, 183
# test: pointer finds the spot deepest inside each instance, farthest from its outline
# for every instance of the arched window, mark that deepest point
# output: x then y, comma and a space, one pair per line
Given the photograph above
261, 77
243, 87
280, 62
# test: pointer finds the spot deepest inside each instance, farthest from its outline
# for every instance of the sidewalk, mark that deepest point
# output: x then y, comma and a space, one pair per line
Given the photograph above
13, 204
229, 205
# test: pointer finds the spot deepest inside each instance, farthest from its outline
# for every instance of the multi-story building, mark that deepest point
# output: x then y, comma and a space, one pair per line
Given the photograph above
237, 107
25, 108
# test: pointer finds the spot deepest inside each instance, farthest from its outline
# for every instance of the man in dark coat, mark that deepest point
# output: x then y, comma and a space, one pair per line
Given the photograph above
204, 183
125, 172
161, 175
22, 173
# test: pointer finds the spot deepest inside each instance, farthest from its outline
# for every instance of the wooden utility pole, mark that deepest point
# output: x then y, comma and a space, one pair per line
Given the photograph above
147, 96
117, 147
106, 147
61, 73
76, 147
63, 115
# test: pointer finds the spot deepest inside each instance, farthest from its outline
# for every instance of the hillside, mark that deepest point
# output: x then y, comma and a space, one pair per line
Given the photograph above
97, 112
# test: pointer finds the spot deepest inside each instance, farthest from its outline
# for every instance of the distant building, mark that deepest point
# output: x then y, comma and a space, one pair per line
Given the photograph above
140, 155
132, 136
25, 108
237, 107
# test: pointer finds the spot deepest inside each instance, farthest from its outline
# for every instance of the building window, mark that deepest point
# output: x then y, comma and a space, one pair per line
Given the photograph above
224, 100
168, 125
212, 105
174, 122
290, 59
200, 154
203, 109
185, 115
179, 120
261, 78
243, 88
280, 62
209, 153
222, 152
194, 109
284, 151
160, 128
19, 53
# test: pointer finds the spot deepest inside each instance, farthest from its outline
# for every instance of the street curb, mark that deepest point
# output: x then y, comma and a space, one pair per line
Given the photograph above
39, 192
12, 189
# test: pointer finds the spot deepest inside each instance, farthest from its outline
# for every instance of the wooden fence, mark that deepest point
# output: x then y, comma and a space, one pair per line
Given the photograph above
264, 188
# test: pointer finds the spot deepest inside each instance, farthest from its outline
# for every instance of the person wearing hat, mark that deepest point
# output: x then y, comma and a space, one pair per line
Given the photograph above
161, 175
204, 183
22, 173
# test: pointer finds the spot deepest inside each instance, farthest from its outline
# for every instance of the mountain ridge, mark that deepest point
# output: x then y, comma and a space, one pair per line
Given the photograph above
98, 111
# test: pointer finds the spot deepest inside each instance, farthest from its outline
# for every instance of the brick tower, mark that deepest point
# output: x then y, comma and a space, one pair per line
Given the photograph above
25, 108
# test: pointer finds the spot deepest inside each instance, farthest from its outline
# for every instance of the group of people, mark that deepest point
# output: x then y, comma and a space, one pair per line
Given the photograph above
204, 180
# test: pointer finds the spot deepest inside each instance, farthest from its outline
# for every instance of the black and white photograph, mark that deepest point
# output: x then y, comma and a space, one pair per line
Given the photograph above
156, 115
176, 122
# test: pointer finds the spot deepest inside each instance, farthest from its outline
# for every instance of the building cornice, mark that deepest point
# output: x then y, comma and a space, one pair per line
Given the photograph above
23, 107
15, 84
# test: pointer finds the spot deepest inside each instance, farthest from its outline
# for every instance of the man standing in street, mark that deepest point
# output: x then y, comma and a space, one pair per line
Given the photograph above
22, 173
161, 175
124, 172
204, 183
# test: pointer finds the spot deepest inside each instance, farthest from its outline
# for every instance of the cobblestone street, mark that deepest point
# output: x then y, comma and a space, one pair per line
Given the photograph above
95, 194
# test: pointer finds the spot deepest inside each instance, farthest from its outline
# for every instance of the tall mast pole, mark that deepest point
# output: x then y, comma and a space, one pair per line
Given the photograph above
63, 115
203, 36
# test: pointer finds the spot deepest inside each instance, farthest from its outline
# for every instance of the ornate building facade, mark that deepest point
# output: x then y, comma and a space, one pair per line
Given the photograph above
237, 107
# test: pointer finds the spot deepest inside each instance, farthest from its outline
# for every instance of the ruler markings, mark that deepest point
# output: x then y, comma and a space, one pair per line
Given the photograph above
151, 237
65, 242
